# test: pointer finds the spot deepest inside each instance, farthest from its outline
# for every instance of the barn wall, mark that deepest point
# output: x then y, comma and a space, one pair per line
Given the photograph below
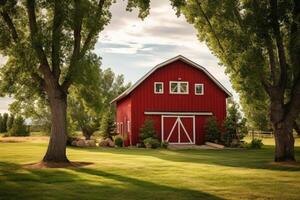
123, 115
144, 99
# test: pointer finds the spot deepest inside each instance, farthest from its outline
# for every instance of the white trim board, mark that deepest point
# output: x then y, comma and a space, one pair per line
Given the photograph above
179, 113
179, 57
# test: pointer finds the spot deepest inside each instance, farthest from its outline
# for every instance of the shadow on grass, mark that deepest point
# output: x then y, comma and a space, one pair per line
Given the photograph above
243, 158
84, 183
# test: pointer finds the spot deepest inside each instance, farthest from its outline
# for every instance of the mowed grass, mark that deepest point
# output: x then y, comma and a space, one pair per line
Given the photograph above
148, 174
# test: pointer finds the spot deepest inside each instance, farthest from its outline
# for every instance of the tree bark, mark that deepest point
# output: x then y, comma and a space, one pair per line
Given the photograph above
284, 149
56, 151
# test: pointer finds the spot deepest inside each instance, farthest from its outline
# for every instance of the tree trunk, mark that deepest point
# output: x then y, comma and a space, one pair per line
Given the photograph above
56, 151
284, 143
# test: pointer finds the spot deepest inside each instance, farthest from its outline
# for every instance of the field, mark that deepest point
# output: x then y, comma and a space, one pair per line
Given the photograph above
147, 174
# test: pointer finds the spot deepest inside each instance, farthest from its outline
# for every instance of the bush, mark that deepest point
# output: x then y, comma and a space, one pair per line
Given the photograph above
256, 144
235, 126
151, 143
147, 130
118, 141
212, 131
19, 128
108, 127
164, 144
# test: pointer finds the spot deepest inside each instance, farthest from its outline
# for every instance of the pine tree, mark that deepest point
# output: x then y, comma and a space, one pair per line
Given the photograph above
108, 127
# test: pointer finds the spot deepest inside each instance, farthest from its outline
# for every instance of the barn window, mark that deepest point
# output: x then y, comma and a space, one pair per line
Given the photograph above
199, 89
179, 87
158, 87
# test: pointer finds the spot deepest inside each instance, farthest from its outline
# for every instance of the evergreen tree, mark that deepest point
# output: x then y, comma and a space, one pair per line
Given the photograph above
19, 128
107, 125
10, 121
4, 123
234, 124
212, 132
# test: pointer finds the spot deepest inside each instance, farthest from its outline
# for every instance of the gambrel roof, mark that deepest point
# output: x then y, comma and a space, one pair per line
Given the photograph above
181, 58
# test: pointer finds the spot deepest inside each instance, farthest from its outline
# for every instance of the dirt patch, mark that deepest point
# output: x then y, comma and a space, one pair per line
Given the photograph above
43, 165
286, 164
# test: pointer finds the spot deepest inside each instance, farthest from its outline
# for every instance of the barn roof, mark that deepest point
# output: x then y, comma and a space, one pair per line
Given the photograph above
181, 58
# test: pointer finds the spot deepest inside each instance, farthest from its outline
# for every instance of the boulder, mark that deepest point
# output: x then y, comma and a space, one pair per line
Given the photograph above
103, 143
110, 143
74, 143
80, 143
90, 143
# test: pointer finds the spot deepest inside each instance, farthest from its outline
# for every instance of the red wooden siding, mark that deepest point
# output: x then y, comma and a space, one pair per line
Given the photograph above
123, 117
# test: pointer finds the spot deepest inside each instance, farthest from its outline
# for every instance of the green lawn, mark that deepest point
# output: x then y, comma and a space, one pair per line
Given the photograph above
148, 174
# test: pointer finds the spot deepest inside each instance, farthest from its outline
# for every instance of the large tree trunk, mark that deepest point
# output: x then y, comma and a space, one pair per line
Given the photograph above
284, 144
56, 151
283, 130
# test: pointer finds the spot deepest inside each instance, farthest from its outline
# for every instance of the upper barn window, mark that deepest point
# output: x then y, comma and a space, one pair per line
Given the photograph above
158, 87
199, 89
179, 87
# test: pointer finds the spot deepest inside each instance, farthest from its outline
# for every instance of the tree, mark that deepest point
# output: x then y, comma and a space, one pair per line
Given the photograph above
10, 121
234, 125
4, 123
147, 130
212, 131
1, 120
107, 125
19, 128
46, 42
258, 43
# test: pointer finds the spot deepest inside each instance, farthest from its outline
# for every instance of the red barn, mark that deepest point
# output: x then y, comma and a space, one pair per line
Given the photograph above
178, 95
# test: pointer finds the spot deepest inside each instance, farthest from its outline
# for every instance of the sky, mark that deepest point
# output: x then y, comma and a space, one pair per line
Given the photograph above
132, 46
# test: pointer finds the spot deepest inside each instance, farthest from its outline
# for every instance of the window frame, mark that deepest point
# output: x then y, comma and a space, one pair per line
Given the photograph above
198, 84
162, 84
178, 87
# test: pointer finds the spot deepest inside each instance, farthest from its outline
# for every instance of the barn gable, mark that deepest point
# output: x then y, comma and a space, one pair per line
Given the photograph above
181, 58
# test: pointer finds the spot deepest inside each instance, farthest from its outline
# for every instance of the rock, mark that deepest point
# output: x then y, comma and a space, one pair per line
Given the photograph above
218, 146
74, 143
103, 143
90, 143
80, 143
110, 143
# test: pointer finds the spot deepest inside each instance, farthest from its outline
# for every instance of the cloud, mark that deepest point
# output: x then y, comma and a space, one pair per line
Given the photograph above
4, 104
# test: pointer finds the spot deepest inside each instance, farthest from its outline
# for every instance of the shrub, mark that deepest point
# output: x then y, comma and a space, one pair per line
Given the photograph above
235, 126
147, 130
256, 144
19, 128
212, 130
108, 127
151, 143
119, 141
165, 144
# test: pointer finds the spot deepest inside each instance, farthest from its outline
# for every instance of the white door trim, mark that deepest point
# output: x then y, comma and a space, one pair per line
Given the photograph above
179, 123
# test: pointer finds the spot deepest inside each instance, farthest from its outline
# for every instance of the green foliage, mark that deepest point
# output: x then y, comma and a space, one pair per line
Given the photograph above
118, 141
4, 123
234, 124
164, 144
147, 130
19, 128
151, 143
212, 132
10, 121
258, 43
107, 125
255, 144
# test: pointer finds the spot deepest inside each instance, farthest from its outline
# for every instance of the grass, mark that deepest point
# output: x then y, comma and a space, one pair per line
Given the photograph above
148, 174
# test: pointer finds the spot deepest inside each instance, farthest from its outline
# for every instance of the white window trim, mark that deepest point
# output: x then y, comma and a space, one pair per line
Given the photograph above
202, 93
170, 88
128, 127
162, 83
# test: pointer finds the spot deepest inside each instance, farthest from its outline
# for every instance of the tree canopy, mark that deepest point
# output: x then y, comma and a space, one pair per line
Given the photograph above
258, 42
